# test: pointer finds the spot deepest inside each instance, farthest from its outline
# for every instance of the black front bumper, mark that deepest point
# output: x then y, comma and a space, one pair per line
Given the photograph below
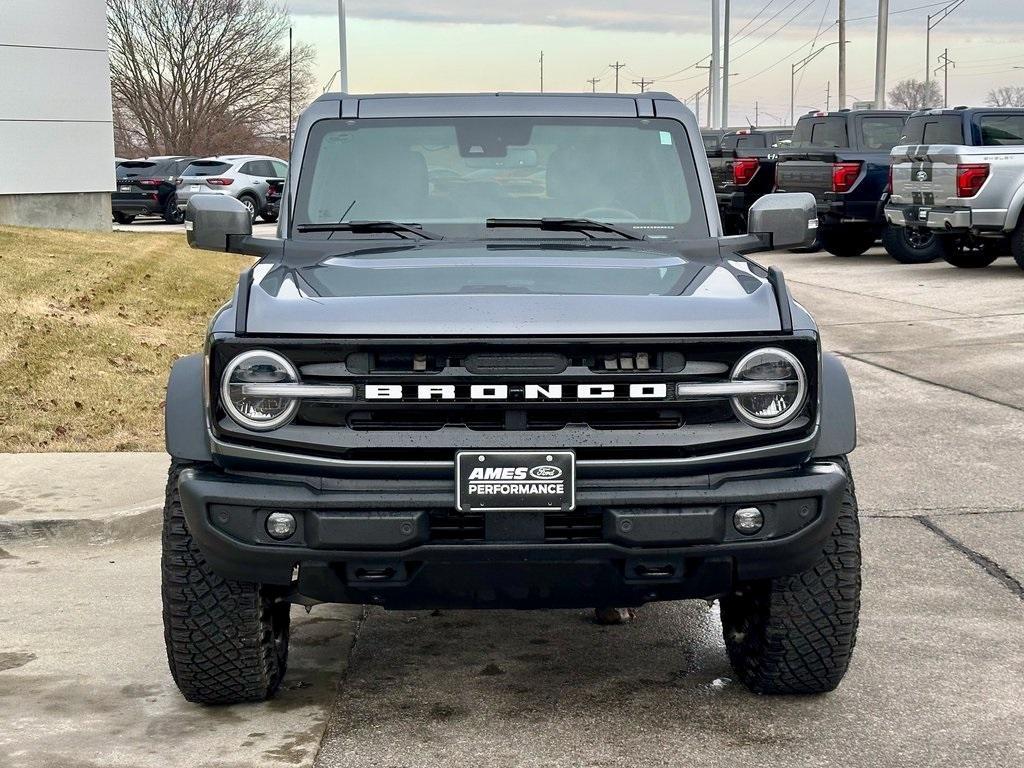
633, 541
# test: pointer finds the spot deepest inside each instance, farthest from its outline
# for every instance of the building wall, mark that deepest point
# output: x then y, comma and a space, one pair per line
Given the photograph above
56, 123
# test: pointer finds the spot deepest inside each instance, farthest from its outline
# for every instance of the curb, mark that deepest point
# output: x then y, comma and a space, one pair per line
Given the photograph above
132, 523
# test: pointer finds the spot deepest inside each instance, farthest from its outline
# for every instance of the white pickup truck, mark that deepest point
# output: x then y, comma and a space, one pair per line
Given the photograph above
958, 175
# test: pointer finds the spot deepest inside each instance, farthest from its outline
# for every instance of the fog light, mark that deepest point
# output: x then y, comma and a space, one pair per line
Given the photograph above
280, 525
748, 520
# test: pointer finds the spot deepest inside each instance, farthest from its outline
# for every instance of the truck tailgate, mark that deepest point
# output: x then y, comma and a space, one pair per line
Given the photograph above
814, 176
923, 183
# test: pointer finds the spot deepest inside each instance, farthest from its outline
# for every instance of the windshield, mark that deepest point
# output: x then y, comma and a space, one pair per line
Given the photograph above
451, 175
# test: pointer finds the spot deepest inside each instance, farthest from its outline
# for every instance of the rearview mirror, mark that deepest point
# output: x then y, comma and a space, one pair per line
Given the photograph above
788, 219
211, 219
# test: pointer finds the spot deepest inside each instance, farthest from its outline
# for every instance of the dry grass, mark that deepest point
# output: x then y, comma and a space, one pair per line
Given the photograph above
89, 327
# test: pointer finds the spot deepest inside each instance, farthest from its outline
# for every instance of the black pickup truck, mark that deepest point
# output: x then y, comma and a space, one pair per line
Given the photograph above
842, 158
743, 170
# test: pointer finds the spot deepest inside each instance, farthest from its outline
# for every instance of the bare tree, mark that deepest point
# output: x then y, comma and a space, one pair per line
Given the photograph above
915, 94
1007, 96
202, 77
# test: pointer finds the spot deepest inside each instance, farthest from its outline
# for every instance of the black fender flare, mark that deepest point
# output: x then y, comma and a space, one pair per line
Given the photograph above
185, 432
838, 422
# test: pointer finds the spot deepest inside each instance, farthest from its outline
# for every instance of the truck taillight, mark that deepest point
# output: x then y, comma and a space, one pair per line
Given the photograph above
970, 177
743, 170
220, 181
844, 176
149, 182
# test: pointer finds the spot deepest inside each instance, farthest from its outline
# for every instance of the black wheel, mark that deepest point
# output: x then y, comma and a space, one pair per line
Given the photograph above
171, 213
912, 246
796, 634
847, 241
968, 254
227, 641
270, 218
1017, 245
123, 218
252, 204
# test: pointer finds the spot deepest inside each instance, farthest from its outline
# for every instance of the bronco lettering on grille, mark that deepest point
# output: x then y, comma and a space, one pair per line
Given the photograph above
499, 392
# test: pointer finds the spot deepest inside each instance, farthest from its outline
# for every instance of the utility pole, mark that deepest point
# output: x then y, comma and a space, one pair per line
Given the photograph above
939, 16
542, 71
842, 54
725, 66
290, 94
828, 96
709, 89
757, 114
643, 83
593, 84
881, 53
342, 47
616, 66
945, 64
716, 64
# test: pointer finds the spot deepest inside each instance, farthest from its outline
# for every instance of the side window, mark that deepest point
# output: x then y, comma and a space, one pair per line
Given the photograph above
250, 168
881, 133
1002, 130
280, 168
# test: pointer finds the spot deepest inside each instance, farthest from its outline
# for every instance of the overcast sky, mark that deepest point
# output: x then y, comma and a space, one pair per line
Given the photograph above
473, 45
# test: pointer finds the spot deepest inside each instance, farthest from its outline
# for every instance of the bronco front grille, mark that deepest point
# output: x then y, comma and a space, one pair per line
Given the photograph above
409, 428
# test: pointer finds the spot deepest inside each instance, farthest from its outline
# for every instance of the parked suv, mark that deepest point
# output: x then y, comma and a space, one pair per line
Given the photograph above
247, 178
568, 393
958, 178
148, 187
842, 158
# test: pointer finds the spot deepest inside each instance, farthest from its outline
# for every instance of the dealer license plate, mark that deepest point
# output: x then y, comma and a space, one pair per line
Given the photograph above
126, 189
196, 188
515, 480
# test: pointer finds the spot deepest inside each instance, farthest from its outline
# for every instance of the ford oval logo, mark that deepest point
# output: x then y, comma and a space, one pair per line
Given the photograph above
922, 176
545, 473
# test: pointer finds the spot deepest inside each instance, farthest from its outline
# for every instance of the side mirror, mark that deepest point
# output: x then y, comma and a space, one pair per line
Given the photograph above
788, 219
211, 219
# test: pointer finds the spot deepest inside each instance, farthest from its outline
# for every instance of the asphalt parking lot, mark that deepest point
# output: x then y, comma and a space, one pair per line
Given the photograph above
154, 224
935, 355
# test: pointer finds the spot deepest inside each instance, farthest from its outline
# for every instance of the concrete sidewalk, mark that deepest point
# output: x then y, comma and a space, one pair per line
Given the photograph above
93, 495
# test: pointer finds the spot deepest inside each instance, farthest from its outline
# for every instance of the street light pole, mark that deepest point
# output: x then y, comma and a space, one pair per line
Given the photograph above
881, 52
725, 67
716, 65
342, 47
793, 70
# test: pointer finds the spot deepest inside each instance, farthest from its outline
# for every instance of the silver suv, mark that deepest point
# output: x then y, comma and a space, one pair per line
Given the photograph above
248, 178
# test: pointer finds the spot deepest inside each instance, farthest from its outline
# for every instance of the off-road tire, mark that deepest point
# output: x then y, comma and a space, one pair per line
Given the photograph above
227, 641
1017, 244
909, 246
847, 241
252, 204
123, 218
795, 634
964, 255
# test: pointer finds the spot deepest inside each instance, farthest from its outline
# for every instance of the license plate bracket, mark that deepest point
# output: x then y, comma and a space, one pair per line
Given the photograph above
515, 481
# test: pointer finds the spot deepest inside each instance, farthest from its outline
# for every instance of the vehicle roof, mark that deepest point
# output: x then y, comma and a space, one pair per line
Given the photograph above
239, 158
497, 104
858, 113
958, 111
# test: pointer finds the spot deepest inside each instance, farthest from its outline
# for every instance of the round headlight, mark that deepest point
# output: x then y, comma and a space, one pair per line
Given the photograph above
775, 408
258, 413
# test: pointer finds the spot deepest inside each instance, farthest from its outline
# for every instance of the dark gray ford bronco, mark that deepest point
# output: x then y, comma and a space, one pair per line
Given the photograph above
500, 354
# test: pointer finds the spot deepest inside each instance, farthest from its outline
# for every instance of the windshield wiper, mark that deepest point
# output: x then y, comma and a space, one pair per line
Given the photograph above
370, 226
563, 225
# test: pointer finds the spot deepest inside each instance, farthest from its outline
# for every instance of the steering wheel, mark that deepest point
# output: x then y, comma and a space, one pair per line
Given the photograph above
609, 213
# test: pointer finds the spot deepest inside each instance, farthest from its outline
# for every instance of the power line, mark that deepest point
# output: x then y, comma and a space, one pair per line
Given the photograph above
773, 34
